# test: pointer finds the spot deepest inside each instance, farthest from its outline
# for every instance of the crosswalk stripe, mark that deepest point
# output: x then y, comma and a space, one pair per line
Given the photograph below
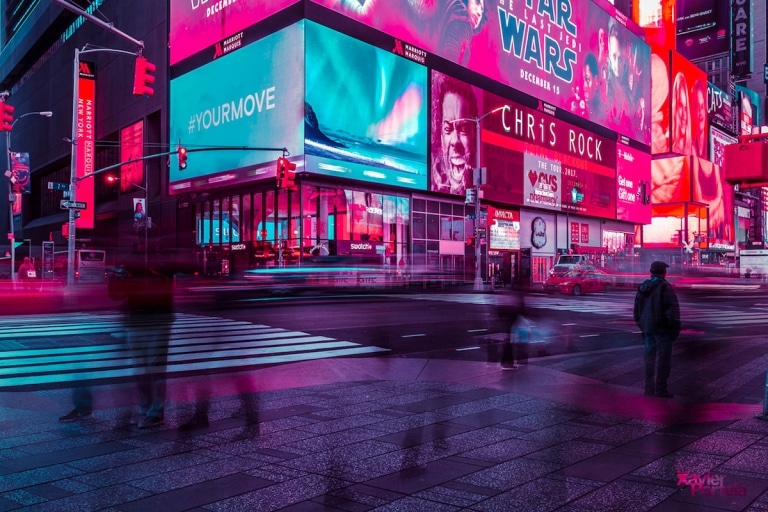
195, 343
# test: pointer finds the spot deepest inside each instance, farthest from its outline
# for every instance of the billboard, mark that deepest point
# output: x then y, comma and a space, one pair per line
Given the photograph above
719, 108
546, 49
690, 124
633, 185
706, 28
741, 37
132, 148
660, 105
365, 113
259, 109
504, 229
86, 140
657, 19
671, 180
749, 109
710, 188
199, 24
696, 15
540, 161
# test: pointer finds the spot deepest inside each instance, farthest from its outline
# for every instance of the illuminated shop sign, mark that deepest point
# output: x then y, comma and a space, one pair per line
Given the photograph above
504, 229
719, 107
263, 109
572, 54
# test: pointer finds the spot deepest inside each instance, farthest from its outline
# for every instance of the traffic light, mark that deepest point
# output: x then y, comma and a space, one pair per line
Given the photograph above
143, 77
285, 173
6, 117
182, 158
472, 241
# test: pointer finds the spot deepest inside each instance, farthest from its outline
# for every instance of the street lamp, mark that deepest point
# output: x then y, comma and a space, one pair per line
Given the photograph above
11, 195
477, 181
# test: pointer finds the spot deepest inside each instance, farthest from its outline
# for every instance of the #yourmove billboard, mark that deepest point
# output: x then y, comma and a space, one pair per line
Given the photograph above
365, 115
542, 47
251, 97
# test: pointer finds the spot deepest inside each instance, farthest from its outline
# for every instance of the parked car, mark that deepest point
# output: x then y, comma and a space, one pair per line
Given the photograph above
562, 272
588, 281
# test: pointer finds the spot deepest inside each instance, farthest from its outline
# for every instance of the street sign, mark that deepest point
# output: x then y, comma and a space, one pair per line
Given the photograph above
55, 185
73, 205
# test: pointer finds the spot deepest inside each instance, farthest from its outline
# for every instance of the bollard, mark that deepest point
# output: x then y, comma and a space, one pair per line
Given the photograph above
764, 414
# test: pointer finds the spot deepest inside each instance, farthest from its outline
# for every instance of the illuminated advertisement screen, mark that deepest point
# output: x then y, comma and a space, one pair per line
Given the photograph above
710, 188
540, 161
749, 109
198, 24
660, 106
633, 181
693, 15
543, 48
718, 139
259, 109
365, 113
86, 143
690, 124
131, 148
504, 229
713, 34
671, 179
719, 108
657, 19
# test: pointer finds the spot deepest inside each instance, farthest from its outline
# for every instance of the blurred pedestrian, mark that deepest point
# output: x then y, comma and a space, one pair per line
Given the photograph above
28, 274
657, 314
517, 329
147, 299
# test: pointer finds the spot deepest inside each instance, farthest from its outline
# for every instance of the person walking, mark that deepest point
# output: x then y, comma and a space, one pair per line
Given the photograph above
657, 313
28, 274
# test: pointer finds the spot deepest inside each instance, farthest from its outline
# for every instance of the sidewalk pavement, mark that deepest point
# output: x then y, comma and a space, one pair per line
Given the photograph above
390, 434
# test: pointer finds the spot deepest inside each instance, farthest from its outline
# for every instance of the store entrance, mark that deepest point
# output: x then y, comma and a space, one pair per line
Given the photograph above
502, 267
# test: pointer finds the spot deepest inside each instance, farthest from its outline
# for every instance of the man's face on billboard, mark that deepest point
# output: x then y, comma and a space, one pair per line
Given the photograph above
456, 137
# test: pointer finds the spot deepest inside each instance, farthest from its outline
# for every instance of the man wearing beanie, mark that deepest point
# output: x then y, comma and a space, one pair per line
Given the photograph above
657, 314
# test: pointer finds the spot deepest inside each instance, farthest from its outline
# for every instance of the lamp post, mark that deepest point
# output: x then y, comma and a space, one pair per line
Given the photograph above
11, 195
476, 182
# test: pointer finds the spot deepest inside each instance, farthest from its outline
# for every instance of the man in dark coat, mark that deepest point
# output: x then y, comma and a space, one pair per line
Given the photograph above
657, 314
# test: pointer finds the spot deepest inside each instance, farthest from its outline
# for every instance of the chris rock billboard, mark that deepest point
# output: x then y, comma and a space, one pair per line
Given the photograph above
220, 104
572, 54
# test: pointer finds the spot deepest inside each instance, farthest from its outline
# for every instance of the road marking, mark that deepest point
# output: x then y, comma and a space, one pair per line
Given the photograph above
467, 348
588, 335
477, 330
412, 335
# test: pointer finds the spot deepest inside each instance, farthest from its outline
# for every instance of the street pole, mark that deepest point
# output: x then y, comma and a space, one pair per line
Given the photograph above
477, 182
11, 196
73, 173
11, 233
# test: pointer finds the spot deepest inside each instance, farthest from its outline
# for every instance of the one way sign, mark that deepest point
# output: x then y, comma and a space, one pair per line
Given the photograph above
73, 205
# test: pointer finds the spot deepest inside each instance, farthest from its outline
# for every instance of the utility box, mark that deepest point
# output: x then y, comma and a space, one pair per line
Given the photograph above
745, 161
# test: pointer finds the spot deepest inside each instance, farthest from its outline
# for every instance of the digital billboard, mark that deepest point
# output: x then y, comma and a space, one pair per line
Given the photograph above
543, 48
199, 24
86, 143
695, 15
671, 179
719, 108
710, 20
660, 104
365, 115
540, 161
690, 124
657, 19
633, 185
749, 109
262, 108
710, 188
132, 148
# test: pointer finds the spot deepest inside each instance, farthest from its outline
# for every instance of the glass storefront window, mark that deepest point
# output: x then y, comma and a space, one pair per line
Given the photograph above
234, 215
245, 221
